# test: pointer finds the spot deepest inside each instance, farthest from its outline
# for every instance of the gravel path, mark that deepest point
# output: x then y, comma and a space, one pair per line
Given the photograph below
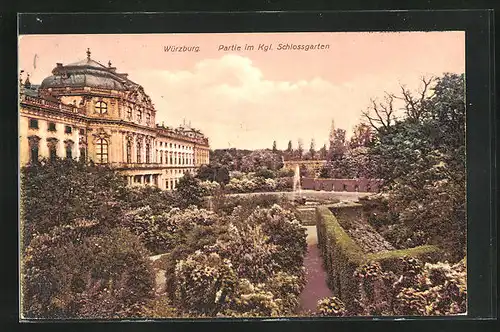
316, 287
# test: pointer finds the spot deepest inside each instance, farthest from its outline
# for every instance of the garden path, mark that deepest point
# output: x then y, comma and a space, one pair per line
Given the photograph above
316, 287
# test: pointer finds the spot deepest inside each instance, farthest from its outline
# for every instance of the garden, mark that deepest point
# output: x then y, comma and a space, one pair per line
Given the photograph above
87, 239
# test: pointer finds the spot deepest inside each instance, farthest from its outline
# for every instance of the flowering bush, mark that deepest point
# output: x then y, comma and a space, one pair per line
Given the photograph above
209, 187
203, 283
67, 275
330, 306
418, 289
283, 230
257, 182
212, 251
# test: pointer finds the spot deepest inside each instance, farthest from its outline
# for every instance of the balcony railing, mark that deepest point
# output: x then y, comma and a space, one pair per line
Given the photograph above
37, 101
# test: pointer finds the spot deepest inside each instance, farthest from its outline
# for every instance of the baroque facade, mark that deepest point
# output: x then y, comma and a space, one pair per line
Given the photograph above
89, 111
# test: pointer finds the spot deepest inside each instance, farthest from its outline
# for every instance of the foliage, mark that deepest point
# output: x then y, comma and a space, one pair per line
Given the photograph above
150, 196
203, 283
230, 158
330, 306
213, 172
421, 157
215, 256
261, 159
61, 192
258, 182
210, 187
189, 191
69, 273
418, 289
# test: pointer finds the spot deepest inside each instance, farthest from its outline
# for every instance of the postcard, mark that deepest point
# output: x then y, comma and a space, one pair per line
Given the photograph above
242, 175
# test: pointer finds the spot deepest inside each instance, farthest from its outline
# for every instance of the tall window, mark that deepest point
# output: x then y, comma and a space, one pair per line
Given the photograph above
101, 107
139, 116
147, 153
101, 150
52, 144
69, 149
139, 152
148, 118
34, 143
161, 157
129, 113
157, 156
129, 152
83, 154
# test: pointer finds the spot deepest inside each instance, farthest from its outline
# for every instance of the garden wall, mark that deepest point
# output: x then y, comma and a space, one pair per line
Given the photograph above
349, 185
342, 255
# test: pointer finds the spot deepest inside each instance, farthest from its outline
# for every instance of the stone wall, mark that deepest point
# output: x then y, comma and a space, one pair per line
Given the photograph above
349, 185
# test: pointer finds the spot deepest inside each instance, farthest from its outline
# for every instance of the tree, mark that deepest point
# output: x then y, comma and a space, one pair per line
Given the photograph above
189, 190
275, 150
312, 148
289, 148
421, 157
63, 192
261, 158
72, 272
300, 148
323, 152
361, 136
213, 172
337, 144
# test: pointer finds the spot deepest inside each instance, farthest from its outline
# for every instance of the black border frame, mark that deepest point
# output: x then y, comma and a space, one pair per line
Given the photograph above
480, 96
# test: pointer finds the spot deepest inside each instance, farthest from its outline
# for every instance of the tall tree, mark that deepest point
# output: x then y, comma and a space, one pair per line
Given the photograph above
300, 148
323, 152
312, 149
361, 136
337, 144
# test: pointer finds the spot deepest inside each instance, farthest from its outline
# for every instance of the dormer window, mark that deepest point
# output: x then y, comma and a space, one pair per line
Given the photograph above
101, 107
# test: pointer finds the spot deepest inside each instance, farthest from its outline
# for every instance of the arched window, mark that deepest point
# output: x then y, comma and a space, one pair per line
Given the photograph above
129, 151
147, 153
101, 150
139, 152
148, 118
101, 107
139, 116
129, 113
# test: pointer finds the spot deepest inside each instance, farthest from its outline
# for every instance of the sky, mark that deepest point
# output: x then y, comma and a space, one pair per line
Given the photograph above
250, 98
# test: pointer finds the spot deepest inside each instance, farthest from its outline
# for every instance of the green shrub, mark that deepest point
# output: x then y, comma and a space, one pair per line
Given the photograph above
342, 257
69, 275
203, 283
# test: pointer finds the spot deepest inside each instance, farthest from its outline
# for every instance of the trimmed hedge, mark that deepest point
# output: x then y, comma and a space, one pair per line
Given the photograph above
342, 256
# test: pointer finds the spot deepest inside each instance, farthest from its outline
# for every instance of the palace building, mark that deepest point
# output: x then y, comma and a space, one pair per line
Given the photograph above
89, 111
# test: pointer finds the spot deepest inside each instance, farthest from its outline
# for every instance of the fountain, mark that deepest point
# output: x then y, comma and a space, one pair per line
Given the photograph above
296, 182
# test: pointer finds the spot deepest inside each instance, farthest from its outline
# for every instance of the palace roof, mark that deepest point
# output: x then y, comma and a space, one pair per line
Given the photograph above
87, 73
